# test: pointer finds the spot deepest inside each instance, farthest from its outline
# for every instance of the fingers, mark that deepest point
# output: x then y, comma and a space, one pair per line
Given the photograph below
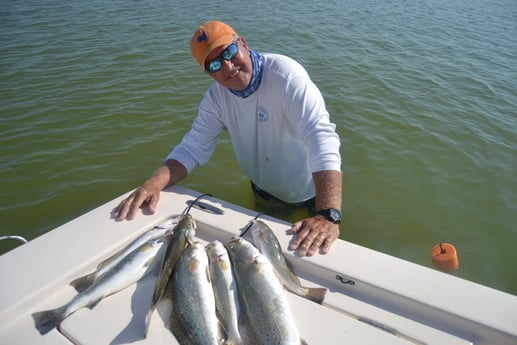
296, 227
311, 244
325, 247
118, 212
312, 236
133, 205
152, 202
128, 208
309, 248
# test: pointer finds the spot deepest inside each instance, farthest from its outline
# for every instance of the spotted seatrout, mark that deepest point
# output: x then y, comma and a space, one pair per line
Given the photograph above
193, 320
182, 235
225, 291
268, 318
82, 283
267, 242
128, 271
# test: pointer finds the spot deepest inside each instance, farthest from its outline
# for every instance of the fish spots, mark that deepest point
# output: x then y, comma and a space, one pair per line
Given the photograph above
277, 304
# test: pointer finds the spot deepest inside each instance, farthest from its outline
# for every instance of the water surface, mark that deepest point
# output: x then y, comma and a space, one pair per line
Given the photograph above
95, 94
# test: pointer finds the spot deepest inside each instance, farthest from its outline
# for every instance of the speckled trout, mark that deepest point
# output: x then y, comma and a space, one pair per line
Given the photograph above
268, 318
81, 283
225, 291
128, 271
183, 234
193, 320
268, 244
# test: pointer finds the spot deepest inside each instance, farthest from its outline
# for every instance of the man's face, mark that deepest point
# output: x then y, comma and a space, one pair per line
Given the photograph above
236, 73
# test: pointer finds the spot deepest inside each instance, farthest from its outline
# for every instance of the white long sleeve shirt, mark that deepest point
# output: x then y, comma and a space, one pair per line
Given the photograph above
281, 133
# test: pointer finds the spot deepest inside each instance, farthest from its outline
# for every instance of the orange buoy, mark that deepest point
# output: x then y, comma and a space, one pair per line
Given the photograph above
445, 257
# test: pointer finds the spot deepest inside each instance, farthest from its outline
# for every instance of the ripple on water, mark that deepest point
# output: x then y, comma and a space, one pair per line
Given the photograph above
95, 94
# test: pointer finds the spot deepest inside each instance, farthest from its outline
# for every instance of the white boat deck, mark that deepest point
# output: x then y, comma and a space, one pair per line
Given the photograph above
391, 301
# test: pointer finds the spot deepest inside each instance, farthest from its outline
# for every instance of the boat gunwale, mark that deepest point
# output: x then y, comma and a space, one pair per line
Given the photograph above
395, 289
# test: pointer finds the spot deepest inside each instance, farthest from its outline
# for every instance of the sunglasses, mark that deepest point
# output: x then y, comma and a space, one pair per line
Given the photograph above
229, 53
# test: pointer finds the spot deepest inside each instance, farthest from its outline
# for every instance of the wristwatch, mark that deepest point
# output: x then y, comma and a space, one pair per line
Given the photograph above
332, 214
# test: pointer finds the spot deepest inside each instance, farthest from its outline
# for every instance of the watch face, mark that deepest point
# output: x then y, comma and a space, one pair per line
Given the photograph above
335, 215
332, 214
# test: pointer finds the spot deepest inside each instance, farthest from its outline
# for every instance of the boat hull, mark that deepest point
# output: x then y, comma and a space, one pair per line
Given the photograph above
373, 298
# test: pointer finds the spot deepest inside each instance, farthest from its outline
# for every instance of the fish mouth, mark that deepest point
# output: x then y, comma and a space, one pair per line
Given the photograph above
258, 260
235, 239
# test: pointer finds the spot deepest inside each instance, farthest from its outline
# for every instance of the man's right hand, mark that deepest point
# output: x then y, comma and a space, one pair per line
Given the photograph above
143, 196
170, 172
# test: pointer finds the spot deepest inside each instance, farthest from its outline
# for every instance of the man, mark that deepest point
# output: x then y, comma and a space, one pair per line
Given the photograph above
279, 128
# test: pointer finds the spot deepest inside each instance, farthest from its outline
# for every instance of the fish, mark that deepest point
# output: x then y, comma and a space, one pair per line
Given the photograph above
183, 234
225, 291
193, 320
267, 317
265, 239
128, 271
80, 284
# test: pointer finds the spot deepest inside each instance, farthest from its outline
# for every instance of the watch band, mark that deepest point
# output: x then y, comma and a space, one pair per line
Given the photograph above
334, 215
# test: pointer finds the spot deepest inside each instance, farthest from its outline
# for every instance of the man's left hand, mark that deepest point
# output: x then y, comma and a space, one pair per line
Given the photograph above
313, 234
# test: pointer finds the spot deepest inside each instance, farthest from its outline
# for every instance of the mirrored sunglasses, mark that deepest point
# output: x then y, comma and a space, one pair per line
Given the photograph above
229, 53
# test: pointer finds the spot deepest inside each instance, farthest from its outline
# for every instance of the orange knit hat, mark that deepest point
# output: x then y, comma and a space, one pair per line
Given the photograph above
209, 36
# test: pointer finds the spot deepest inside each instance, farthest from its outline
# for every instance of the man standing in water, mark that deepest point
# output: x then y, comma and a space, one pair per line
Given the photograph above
279, 128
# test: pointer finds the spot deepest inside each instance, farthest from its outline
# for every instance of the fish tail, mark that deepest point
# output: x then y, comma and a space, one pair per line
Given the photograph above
47, 320
316, 294
148, 319
232, 342
82, 283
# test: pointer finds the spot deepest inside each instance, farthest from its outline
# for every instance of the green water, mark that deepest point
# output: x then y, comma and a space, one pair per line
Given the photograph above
94, 94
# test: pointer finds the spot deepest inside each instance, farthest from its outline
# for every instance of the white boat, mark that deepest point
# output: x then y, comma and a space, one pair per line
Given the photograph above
373, 298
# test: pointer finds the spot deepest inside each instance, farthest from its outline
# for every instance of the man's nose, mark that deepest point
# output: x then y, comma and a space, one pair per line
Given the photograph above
227, 65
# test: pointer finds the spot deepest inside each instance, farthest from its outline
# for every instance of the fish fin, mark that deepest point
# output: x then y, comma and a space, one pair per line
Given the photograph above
105, 261
149, 262
93, 303
82, 283
190, 239
290, 266
208, 276
148, 320
47, 320
222, 334
158, 292
236, 341
154, 304
316, 294
168, 237
278, 276
220, 317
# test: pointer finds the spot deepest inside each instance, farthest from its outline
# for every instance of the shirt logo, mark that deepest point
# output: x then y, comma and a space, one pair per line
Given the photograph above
262, 114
